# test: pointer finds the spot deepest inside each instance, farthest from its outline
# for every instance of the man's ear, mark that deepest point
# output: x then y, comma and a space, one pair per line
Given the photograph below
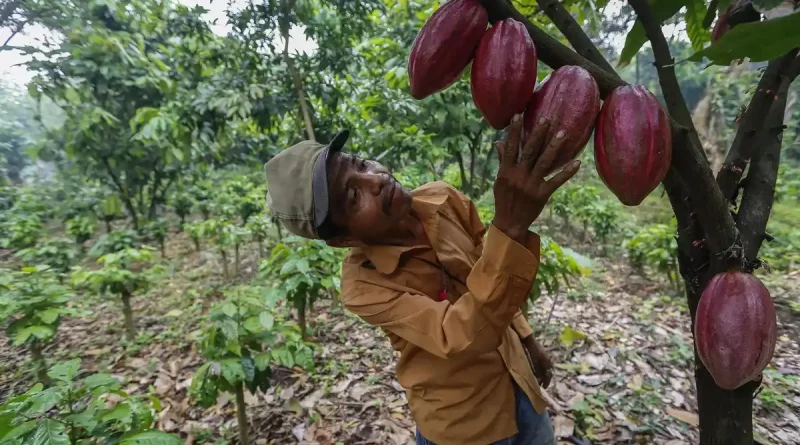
343, 242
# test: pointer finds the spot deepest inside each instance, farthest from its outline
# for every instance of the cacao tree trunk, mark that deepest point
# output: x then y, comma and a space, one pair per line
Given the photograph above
295, 75
224, 263
260, 248
108, 225
127, 312
183, 222
163, 243
241, 415
301, 316
235, 261
196, 242
39, 363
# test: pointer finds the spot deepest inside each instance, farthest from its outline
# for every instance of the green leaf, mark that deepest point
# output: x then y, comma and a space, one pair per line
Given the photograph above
267, 320
66, 371
228, 309
262, 361
71, 95
42, 402
50, 432
252, 324
569, 336
662, 10
695, 13
48, 316
177, 153
152, 438
98, 380
760, 41
9, 437
120, 412
38, 331
231, 370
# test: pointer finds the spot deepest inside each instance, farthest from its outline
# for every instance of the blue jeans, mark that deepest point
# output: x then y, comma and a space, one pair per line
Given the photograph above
534, 428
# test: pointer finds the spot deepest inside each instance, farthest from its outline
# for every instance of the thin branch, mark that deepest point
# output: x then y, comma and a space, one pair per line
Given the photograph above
759, 185
744, 143
13, 33
574, 33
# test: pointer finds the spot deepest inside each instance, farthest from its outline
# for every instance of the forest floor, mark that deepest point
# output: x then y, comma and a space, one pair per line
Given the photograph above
621, 345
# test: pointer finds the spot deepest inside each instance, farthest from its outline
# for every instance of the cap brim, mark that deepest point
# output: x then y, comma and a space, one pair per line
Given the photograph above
319, 185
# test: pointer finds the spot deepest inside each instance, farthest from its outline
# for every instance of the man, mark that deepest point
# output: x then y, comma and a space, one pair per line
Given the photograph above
420, 269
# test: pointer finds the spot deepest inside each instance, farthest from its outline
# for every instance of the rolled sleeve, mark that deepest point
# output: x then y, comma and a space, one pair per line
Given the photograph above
521, 326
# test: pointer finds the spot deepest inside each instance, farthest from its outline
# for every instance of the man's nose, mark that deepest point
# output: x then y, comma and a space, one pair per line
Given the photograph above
373, 182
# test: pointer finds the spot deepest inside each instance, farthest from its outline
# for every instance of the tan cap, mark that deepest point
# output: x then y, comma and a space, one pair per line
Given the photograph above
297, 183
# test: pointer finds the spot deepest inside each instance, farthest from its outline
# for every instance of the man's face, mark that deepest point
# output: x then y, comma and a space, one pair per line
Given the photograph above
365, 199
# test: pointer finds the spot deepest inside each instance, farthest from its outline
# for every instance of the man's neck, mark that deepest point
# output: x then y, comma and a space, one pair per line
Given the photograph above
409, 232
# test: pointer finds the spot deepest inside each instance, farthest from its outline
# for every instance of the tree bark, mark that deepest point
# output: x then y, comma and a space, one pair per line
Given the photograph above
260, 248
39, 363
301, 316
235, 261
224, 263
108, 225
241, 415
127, 312
298, 82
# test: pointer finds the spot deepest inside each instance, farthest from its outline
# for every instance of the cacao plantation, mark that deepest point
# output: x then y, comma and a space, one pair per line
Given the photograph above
444, 277
735, 328
570, 100
503, 72
632, 143
445, 46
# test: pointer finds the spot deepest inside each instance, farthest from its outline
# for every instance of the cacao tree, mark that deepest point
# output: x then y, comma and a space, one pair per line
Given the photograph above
721, 221
79, 409
240, 343
32, 305
122, 276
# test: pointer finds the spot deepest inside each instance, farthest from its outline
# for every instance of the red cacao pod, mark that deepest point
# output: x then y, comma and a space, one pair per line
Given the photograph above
721, 27
570, 100
735, 328
503, 72
632, 143
445, 46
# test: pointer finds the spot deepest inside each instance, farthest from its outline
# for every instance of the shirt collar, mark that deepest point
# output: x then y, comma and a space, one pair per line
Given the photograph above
386, 258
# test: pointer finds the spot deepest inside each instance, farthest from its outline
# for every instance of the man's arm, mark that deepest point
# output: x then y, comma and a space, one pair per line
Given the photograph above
498, 285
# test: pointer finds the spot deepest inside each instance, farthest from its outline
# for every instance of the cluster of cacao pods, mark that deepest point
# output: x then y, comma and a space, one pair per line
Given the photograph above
633, 146
735, 328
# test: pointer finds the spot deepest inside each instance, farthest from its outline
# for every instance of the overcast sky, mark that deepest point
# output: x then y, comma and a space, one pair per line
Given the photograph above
11, 72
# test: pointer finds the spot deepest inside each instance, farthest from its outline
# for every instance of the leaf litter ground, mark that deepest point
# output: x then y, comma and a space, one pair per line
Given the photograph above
621, 345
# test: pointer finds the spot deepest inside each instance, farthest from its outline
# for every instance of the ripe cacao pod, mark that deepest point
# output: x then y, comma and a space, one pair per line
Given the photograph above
632, 143
721, 27
735, 328
445, 46
570, 100
503, 72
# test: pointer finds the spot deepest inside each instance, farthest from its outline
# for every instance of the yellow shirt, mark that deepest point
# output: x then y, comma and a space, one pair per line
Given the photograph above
457, 355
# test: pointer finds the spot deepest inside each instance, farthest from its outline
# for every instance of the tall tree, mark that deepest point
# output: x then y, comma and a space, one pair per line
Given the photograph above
716, 230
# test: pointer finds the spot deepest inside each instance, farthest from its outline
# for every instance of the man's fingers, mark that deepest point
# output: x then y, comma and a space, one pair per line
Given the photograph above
512, 143
536, 140
563, 176
546, 159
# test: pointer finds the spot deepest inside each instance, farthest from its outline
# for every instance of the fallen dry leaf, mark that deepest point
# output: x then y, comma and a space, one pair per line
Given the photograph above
563, 426
684, 416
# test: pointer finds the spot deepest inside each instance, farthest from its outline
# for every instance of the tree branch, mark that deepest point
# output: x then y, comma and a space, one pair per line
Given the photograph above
574, 33
691, 163
688, 161
759, 184
744, 143
7, 11
549, 49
